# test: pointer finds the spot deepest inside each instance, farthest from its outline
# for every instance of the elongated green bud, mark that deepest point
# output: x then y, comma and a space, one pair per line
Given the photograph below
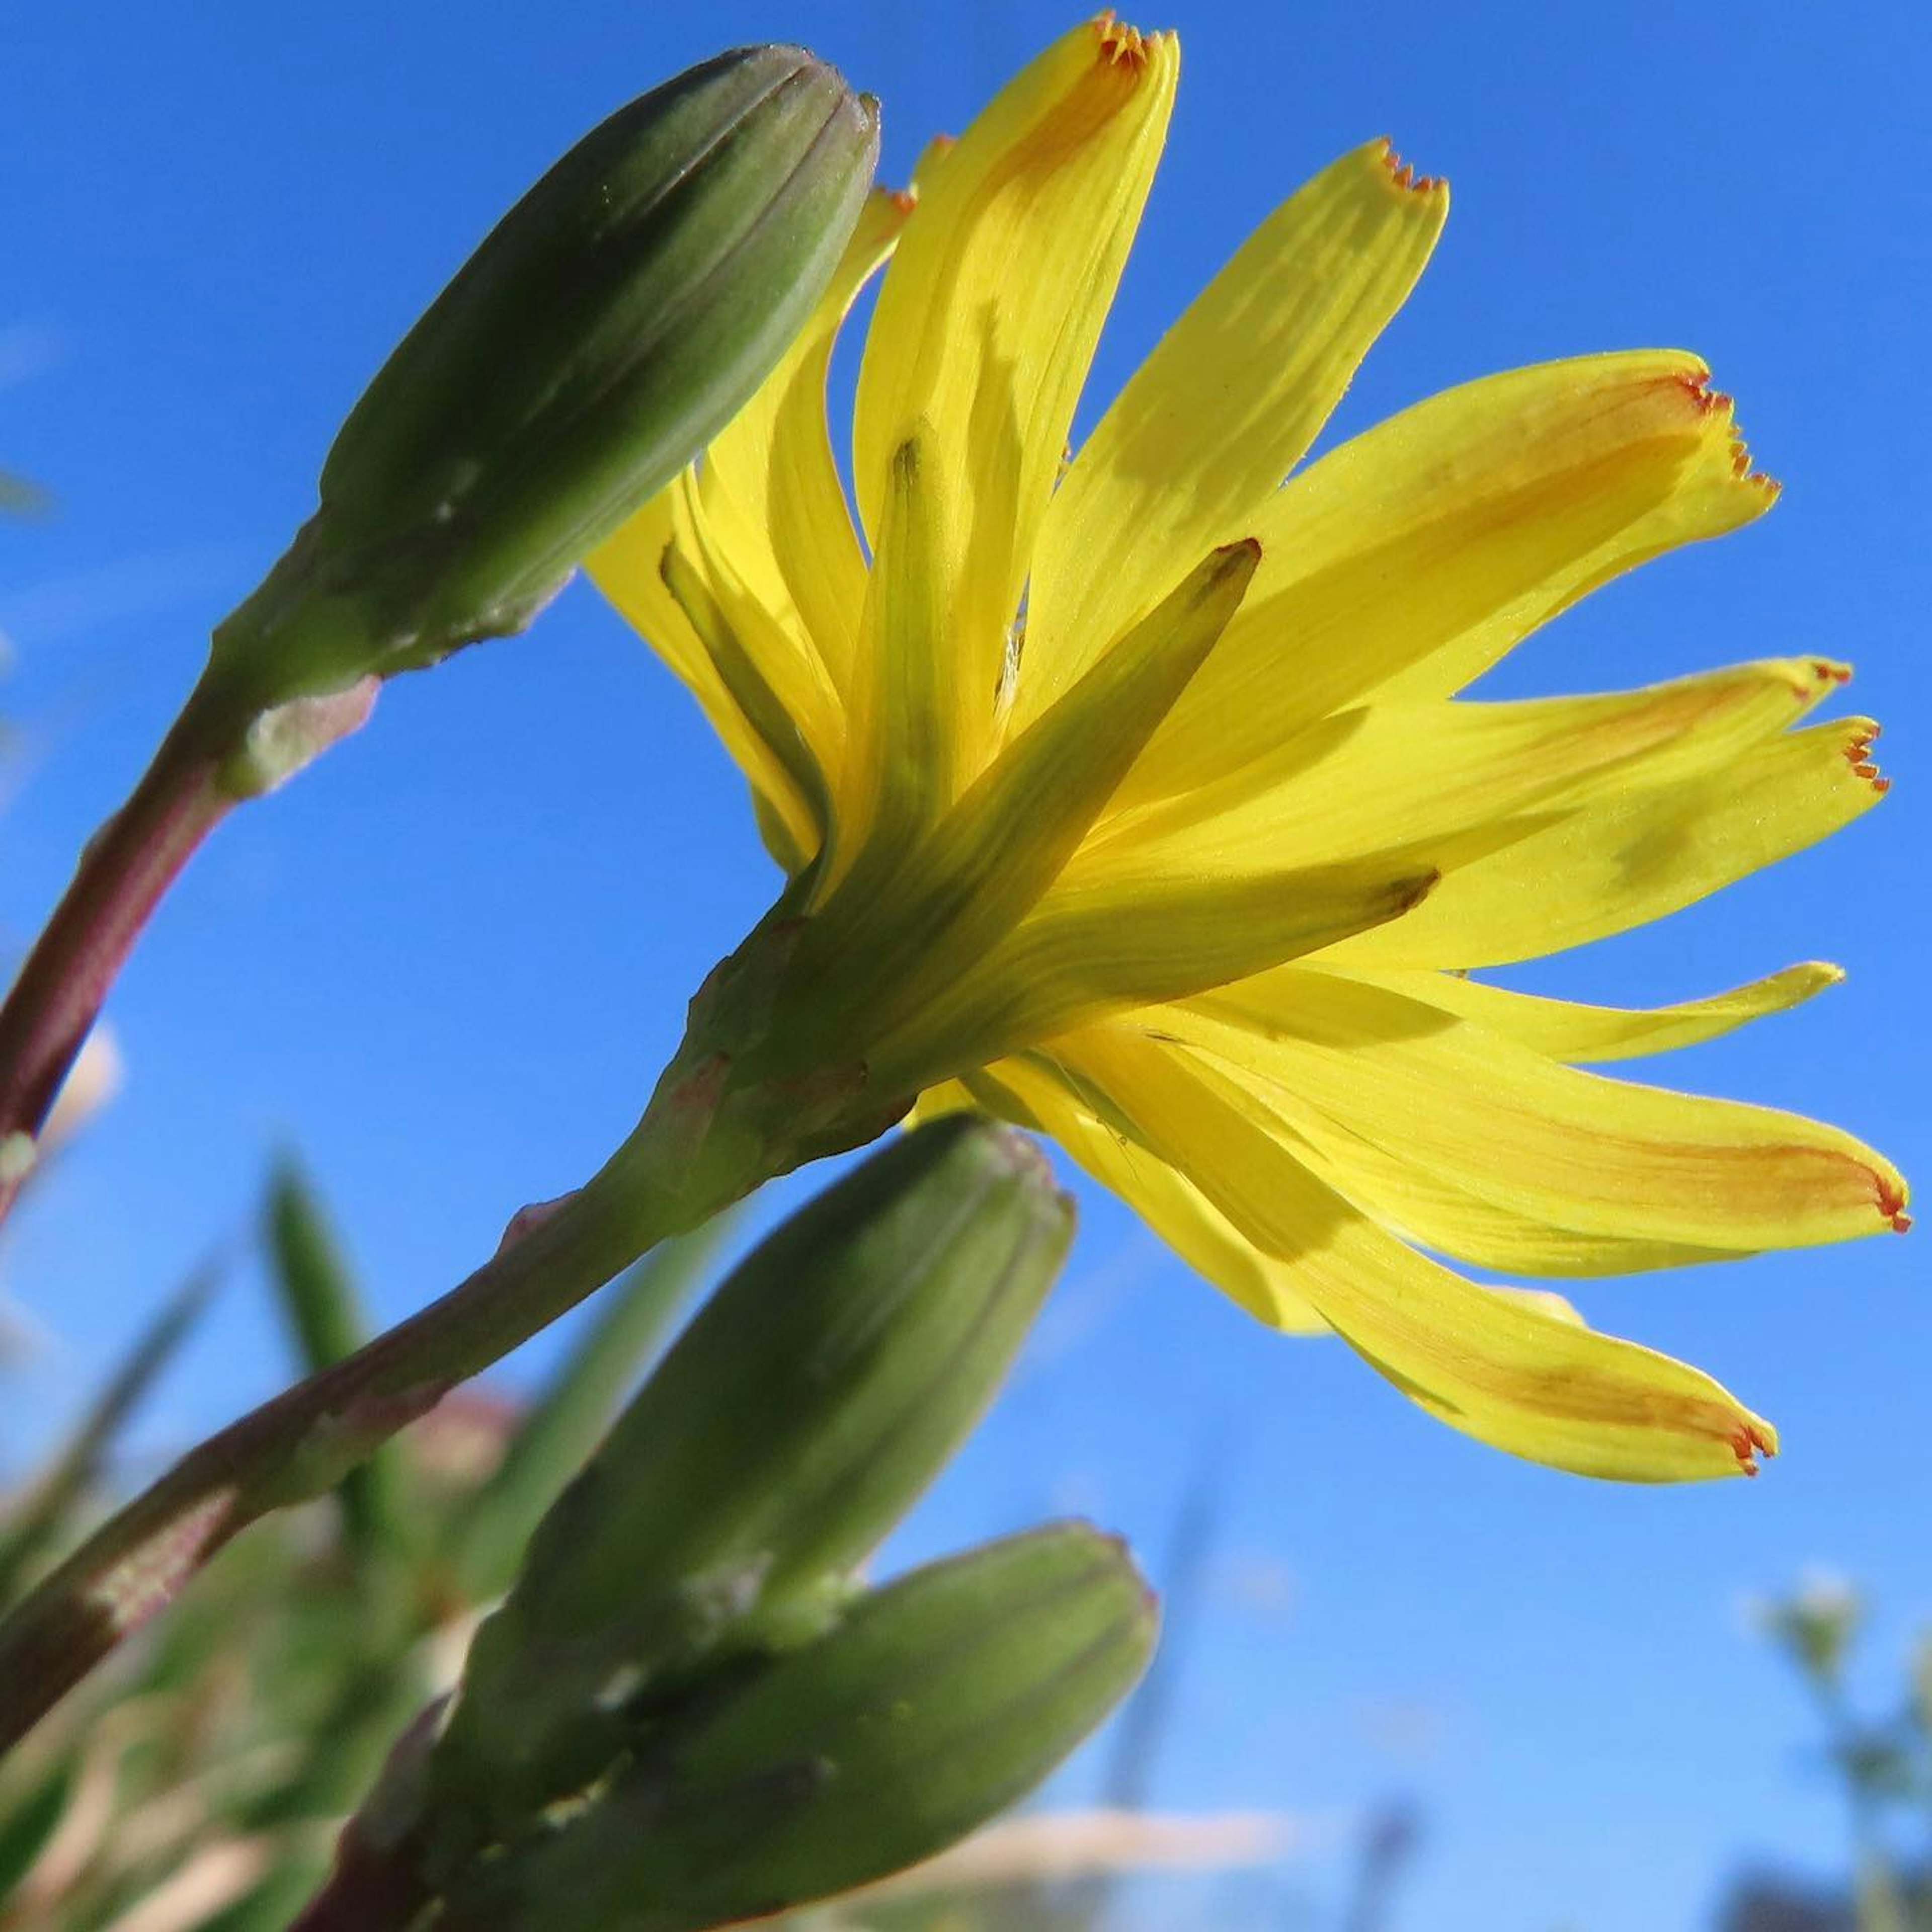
930, 1708
821, 1390
614, 319
488, 1532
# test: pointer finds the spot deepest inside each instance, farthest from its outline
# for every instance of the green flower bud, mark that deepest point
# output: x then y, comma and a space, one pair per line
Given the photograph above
821, 1391
930, 1708
614, 319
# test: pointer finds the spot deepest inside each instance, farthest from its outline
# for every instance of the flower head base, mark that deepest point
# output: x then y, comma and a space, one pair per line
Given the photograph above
1131, 798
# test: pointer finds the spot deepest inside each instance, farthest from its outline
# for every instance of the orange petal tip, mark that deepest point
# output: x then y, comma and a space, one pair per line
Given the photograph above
1754, 1439
1403, 174
1857, 749
1891, 1198
1122, 45
1716, 404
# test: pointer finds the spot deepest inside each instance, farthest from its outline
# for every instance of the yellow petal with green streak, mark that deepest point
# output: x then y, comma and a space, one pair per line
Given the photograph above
1495, 1365
1408, 560
988, 316
628, 569
1084, 953
741, 669
1631, 857
1504, 1124
1365, 779
1035, 1093
1226, 405
903, 928
1570, 1030
770, 479
903, 746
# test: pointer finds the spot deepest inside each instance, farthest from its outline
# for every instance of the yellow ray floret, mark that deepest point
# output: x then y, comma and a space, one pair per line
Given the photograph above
1569, 1030
1488, 1362
1130, 795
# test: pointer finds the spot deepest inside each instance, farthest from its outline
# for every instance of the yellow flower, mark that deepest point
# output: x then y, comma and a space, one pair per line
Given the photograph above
1131, 798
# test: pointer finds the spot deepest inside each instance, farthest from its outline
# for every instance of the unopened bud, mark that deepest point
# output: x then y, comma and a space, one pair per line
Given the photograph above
821, 1390
614, 319
931, 1707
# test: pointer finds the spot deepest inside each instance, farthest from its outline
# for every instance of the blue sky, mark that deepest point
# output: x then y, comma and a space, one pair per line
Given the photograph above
447, 963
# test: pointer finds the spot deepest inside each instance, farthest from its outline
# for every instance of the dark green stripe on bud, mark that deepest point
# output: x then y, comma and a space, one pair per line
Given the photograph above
933, 1705
614, 319
820, 1391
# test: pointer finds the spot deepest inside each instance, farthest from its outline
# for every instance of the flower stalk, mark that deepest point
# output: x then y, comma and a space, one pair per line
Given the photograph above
616, 317
126, 869
722, 1121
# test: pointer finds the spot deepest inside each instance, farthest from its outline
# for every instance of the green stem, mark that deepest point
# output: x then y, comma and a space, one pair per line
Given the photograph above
299, 1444
722, 1121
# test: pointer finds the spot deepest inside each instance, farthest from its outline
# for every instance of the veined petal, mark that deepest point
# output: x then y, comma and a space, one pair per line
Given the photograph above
1033, 1092
1406, 562
988, 316
1502, 1122
1495, 1365
628, 569
1409, 1198
1226, 405
1085, 952
790, 535
903, 747
1364, 779
768, 665
1626, 859
901, 929
1568, 1030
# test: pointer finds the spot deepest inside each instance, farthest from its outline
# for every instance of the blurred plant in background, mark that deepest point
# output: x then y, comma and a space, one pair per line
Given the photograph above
19, 497
201, 1785
1881, 1762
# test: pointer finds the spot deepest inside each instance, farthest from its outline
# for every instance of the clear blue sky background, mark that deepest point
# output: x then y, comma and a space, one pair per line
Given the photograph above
448, 963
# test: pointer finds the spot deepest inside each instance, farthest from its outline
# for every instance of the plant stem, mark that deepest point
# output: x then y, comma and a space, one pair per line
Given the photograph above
123, 872
716, 1129
726, 1116
299, 1444
364, 1893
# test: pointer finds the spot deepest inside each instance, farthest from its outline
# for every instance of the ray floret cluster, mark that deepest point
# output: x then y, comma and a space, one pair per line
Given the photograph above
1133, 797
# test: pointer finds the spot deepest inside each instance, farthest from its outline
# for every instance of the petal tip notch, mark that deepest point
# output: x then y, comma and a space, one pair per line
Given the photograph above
1858, 755
1754, 1438
1892, 1196
1721, 408
1403, 173
1122, 45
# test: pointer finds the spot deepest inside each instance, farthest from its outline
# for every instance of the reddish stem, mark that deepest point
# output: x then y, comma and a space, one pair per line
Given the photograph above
123, 872
364, 1893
